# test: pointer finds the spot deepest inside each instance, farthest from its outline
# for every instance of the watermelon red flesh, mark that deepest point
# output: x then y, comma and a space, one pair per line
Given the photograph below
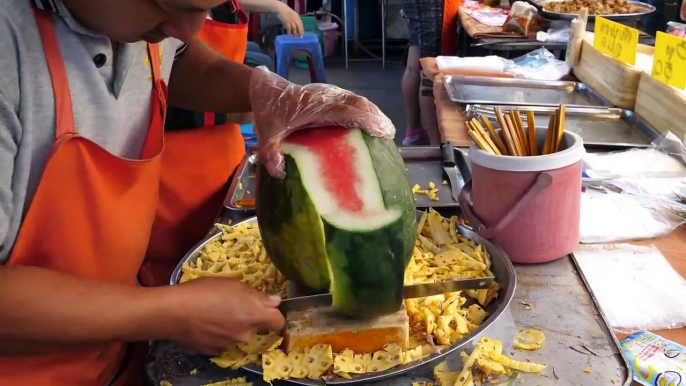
342, 220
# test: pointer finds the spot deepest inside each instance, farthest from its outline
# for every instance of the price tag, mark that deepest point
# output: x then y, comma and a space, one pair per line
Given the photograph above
669, 61
616, 40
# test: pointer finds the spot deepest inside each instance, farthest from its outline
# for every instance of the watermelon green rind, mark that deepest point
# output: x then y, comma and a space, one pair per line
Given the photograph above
366, 277
281, 221
386, 159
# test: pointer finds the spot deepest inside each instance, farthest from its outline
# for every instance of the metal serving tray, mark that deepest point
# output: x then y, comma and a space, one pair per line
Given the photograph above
520, 92
502, 269
423, 165
602, 127
639, 10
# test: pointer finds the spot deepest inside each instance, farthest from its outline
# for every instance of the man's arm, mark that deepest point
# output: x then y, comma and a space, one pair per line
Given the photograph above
262, 6
43, 310
204, 80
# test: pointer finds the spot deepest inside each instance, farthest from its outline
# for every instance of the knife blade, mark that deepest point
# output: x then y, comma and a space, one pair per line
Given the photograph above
409, 292
450, 169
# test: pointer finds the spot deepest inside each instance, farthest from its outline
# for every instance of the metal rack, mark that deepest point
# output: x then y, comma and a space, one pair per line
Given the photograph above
384, 16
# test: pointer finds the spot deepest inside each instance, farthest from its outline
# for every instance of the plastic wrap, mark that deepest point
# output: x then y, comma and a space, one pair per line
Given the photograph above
634, 194
676, 29
654, 359
281, 107
522, 19
538, 64
636, 287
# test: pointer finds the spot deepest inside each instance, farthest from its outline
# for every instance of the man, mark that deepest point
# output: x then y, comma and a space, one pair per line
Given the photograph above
82, 103
683, 10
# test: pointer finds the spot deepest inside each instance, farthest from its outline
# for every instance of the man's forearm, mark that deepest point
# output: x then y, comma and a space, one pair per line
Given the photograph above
42, 310
263, 6
204, 80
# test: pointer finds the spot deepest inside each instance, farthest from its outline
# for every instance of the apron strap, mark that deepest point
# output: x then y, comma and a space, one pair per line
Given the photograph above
64, 114
156, 69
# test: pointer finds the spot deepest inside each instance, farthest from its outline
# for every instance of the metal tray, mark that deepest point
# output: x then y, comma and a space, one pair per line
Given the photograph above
520, 92
562, 306
502, 269
600, 127
423, 165
639, 10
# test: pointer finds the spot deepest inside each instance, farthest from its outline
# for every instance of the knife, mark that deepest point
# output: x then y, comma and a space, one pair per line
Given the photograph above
409, 292
450, 168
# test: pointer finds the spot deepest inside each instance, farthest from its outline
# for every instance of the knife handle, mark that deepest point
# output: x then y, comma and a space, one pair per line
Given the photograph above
447, 154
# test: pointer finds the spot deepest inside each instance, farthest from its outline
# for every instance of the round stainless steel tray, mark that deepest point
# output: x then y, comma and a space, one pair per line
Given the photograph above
502, 269
639, 10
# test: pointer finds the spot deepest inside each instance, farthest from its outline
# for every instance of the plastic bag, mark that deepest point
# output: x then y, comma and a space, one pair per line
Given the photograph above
635, 286
676, 29
521, 19
539, 64
654, 359
644, 192
281, 107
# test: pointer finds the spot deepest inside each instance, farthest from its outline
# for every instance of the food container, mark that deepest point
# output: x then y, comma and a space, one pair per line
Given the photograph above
615, 81
529, 206
662, 106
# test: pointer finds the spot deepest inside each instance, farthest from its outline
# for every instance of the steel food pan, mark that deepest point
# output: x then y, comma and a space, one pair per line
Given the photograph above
601, 127
502, 269
638, 10
520, 92
423, 165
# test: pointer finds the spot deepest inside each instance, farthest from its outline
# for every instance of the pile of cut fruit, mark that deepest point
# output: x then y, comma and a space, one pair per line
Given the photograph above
440, 253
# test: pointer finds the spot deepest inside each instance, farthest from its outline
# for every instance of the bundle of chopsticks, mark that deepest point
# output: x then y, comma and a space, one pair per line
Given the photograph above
514, 139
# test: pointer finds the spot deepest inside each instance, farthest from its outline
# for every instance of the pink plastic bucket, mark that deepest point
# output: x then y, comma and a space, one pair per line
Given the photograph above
330, 32
529, 206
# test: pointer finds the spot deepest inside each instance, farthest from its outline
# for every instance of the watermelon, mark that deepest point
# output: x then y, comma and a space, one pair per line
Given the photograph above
342, 220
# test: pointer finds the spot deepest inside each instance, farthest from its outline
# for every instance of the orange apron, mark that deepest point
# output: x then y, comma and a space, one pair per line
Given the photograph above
196, 168
449, 27
91, 217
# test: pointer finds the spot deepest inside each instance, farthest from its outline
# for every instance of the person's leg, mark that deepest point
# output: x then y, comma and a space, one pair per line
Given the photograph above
410, 90
431, 23
254, 57
254, 47
414, 134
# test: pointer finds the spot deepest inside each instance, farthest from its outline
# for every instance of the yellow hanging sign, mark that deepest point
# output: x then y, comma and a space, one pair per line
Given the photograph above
616, 40
669, 61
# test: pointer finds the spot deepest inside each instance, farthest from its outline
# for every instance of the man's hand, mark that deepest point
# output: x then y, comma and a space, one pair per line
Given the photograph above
292, 22
216, 313
281, 107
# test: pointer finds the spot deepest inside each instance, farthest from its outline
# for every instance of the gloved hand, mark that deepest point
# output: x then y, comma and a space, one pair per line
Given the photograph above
281, 107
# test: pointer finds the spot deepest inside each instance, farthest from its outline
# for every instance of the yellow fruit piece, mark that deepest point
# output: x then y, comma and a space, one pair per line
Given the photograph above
246, 360
529, 339
413, 355
588, 370
259, 344
231, 382
275, 366
165, 383
228, 358
444, 183
387, 358
444, 376
524, 367
317, 361
432, 185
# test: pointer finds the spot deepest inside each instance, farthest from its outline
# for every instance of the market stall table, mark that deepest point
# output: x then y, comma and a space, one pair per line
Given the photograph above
673, 246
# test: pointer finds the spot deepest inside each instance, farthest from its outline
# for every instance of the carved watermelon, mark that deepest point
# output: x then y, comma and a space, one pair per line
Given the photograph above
343, 220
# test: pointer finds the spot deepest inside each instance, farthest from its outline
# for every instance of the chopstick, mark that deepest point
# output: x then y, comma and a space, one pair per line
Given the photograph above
516, 139
533, 145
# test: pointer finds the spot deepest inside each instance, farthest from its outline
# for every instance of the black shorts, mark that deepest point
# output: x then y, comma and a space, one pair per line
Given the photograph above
426, 24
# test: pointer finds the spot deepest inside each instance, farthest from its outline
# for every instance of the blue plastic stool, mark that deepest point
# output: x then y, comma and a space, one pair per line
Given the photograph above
287, 47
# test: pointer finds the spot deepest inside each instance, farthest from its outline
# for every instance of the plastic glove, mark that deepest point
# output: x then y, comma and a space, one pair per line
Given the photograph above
281, 107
